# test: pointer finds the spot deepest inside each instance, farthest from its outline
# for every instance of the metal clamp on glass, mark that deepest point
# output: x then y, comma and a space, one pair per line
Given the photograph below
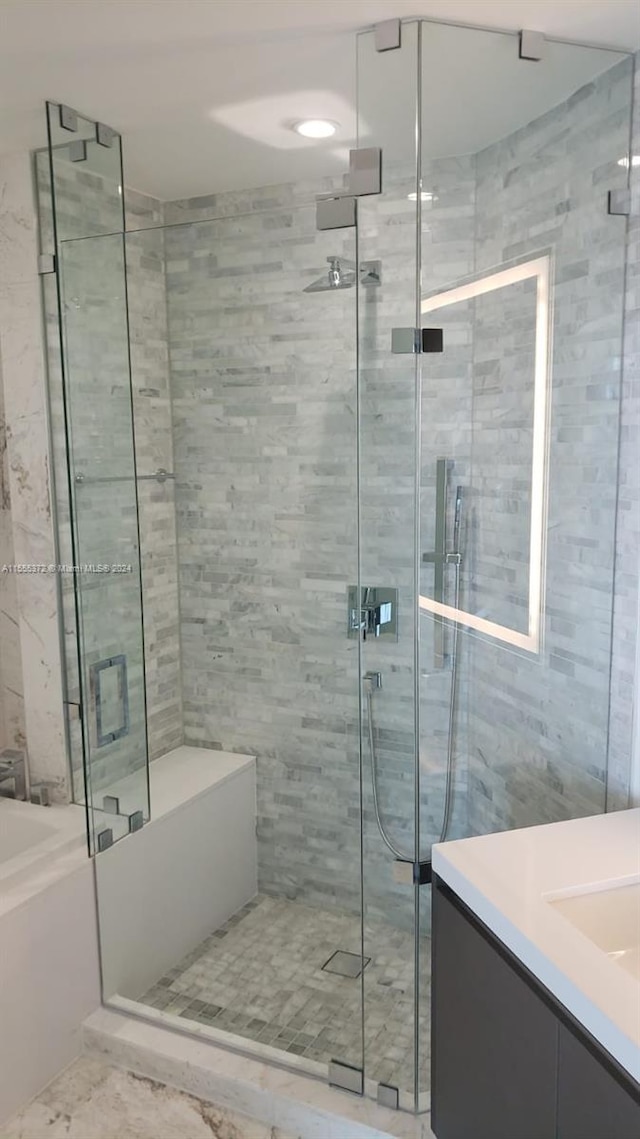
412, 873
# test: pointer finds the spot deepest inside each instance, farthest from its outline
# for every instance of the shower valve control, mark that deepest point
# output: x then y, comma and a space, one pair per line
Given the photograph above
372, 612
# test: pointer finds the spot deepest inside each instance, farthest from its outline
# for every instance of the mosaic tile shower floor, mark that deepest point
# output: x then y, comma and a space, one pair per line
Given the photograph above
260, 976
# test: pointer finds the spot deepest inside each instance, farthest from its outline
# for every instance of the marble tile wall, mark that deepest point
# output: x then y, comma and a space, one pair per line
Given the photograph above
32, 599
12, 721
624, 679
263, 390
154, 450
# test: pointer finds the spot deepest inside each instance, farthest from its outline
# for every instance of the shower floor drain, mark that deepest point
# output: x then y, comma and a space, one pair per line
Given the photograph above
346, 964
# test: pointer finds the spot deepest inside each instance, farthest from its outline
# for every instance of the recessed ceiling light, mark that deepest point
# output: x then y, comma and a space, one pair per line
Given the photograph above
425, 196
315, 128
635, 161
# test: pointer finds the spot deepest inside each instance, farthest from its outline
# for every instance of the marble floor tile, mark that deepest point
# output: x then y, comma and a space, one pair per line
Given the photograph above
93, 1100
261, 976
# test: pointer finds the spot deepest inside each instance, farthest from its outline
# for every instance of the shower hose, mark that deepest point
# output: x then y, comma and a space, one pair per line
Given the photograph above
403, 856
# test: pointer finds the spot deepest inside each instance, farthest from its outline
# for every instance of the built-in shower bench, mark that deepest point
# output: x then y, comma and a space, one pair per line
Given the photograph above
165, 888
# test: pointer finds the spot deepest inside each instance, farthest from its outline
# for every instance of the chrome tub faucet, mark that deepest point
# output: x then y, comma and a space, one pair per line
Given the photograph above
13, 770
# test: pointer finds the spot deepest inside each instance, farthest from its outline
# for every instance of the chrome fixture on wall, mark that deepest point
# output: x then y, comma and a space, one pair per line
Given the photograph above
342, 275
375, 615
13, 769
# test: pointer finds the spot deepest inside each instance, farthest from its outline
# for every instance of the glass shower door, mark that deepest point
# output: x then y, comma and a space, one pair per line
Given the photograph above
388, 458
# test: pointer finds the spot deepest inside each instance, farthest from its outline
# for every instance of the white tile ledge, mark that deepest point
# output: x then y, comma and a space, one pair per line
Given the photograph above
293, 1102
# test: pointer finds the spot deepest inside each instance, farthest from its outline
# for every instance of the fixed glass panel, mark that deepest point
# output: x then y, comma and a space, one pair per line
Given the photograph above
523, 269
106, 547
82, 221
387, 233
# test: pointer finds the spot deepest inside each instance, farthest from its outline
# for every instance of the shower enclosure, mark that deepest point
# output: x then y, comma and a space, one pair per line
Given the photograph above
336, 465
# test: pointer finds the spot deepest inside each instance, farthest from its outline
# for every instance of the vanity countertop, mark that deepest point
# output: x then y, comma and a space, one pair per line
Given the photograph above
518, 882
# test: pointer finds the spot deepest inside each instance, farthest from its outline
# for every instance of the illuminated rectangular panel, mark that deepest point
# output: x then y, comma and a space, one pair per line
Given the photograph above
539, 269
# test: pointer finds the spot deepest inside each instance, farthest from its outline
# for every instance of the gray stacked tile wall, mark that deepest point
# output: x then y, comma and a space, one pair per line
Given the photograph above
624, 680
263, 389
152, 417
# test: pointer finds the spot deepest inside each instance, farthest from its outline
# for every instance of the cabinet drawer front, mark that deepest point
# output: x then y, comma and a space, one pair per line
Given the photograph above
591, 1103
494, 1042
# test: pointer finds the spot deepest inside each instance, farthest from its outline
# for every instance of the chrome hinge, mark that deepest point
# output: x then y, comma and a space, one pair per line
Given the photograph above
365, 171
619, 202
105, 135
416, 340
104, 839
531, 46
388, 1096
388, 35
339, 210
68, 117
412, 873
346, 1076
136, 821
77, 150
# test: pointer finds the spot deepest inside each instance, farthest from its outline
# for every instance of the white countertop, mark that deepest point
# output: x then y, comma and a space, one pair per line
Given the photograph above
506, 880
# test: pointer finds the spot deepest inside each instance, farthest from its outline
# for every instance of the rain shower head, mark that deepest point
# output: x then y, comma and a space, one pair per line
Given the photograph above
341, 274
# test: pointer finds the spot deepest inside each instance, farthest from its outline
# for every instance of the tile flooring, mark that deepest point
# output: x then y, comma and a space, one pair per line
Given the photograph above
93, 1100
261, 976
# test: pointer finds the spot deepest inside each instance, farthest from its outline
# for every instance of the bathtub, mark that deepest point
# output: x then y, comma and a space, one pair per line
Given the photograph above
33, 839
161, 890
49, 967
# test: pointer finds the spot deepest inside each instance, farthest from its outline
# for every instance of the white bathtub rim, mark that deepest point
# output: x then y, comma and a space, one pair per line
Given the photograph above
35, 868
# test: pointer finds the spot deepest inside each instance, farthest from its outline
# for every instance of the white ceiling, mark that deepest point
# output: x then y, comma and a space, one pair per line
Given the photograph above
204, 91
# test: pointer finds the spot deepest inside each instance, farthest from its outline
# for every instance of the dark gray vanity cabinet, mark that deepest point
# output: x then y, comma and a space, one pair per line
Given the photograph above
591, 1103
508, 1062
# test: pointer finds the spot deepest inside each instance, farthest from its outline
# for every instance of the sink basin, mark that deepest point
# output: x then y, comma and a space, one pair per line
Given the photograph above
610, 918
